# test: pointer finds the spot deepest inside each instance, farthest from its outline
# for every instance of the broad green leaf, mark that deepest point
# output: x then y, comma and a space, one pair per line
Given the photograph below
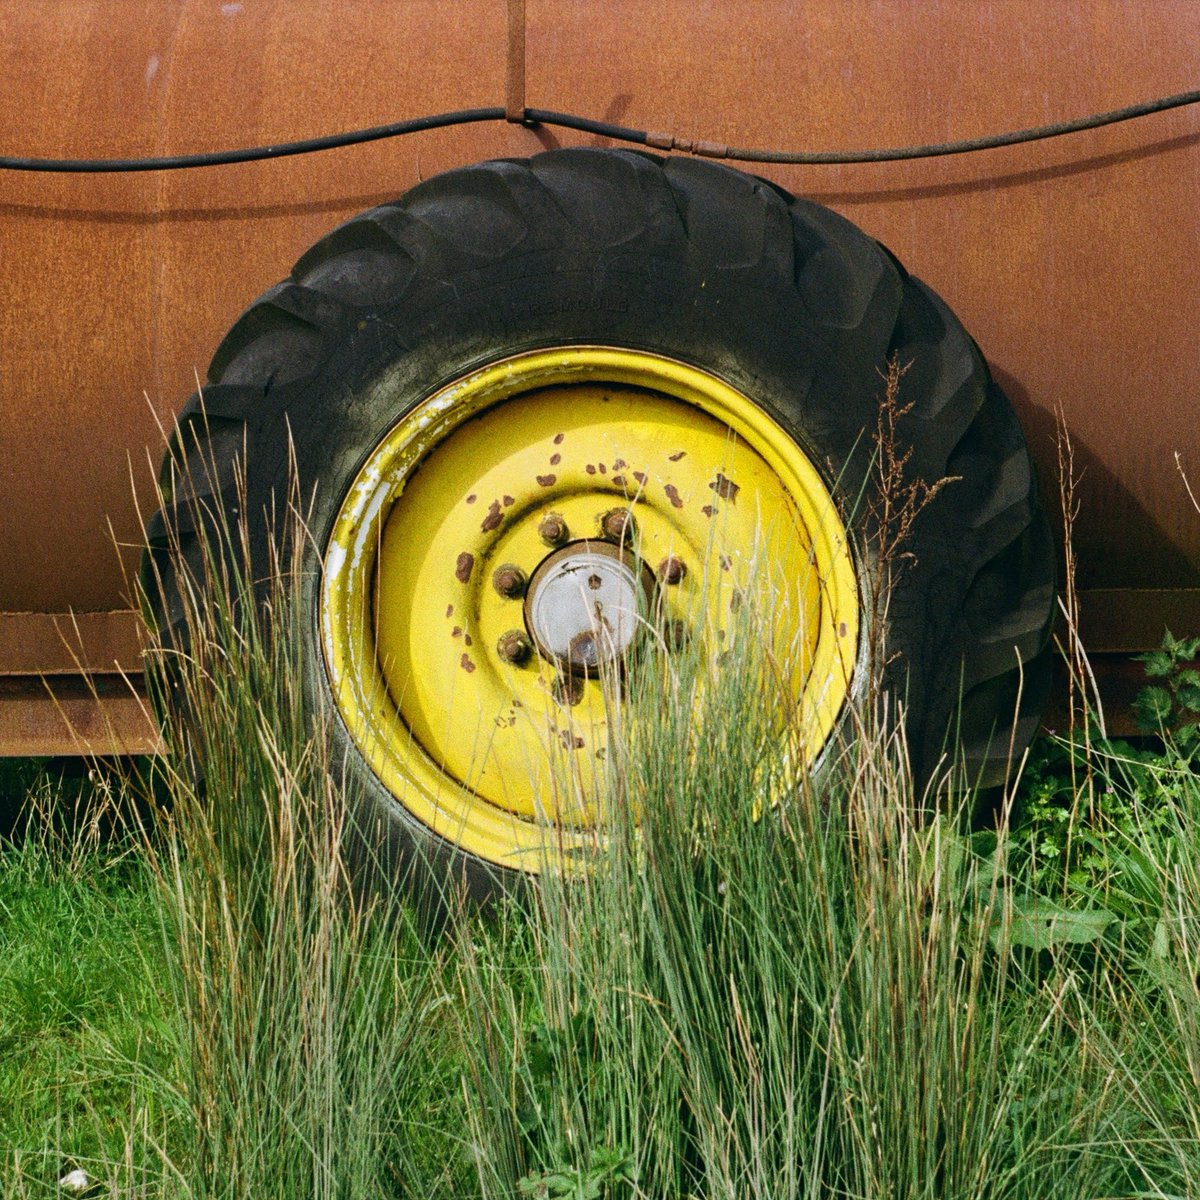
1152, 708
1158, 663
1041, 924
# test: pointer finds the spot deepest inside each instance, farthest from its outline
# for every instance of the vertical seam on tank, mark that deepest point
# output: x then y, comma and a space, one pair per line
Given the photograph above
158, 241
514, 91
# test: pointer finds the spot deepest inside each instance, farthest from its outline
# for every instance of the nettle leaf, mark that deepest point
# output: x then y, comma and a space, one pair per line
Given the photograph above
1187, 737
547, 1185
606, 1165
1153, 707
1158, 663
1172, 645
1042, 925
1187, 648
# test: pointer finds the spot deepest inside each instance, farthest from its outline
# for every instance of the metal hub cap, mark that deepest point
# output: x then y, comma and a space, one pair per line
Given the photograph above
585, 604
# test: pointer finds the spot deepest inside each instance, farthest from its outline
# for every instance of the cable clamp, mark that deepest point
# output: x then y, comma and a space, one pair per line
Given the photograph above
668, 141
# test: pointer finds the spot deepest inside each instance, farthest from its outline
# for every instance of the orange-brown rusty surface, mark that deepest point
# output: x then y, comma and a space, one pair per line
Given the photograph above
33, 643
115, 290
101, 716
1073, 262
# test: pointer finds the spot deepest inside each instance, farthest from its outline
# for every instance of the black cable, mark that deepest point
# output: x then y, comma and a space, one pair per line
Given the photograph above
640, 137
965, 146
618, 133
179, 162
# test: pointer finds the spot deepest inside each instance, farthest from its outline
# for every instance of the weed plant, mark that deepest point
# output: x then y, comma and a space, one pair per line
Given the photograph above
1156, 1050
1120, 853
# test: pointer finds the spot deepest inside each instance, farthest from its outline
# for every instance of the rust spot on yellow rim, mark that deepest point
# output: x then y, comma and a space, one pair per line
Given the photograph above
518, 458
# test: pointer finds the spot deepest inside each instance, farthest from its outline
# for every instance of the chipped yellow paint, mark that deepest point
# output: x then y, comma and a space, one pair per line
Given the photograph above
480, 750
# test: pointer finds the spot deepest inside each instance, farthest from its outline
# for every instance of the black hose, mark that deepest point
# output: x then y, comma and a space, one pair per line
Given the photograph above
966, 146
640, 137
218, 158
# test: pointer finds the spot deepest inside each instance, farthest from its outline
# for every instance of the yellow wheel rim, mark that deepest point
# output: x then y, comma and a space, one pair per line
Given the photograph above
451, 541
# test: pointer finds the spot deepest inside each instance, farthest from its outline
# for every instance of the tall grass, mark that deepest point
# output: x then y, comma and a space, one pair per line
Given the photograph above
764, 981
742, 998
309, 1011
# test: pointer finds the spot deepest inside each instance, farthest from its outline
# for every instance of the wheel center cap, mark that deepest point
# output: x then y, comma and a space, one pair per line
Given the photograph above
585, 604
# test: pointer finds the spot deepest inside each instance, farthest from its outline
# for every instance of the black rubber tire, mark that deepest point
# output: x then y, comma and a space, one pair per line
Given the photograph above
778, 297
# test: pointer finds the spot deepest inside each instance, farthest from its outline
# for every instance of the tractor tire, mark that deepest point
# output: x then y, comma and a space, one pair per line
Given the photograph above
479, 383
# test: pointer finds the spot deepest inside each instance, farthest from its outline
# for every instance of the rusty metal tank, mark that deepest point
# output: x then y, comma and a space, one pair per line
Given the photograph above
1072, 261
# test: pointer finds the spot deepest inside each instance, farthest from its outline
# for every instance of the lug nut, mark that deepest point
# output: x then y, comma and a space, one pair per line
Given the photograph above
514, 646
617, 525
509, 581
568, 690
552, 529
672, 570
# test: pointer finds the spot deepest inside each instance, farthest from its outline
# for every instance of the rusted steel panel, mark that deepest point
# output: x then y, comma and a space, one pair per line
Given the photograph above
70, 643
114, 290
103, 716
1125, 620
1072, 261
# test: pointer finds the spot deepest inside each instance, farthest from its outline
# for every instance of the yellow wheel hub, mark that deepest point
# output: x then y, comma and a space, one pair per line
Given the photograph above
512, 536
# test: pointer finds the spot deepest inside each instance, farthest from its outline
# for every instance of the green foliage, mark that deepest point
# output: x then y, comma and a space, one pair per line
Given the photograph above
1040, 924
1100, 818
1086, 807
553, 1058
606, 1176
1174, 704
770, 984
547, 1052
87, 1049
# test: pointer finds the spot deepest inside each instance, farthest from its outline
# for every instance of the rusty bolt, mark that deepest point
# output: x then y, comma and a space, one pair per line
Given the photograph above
568, 690
552, 529
509, 581
514, 646
617, 525
675, 635
672, 570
